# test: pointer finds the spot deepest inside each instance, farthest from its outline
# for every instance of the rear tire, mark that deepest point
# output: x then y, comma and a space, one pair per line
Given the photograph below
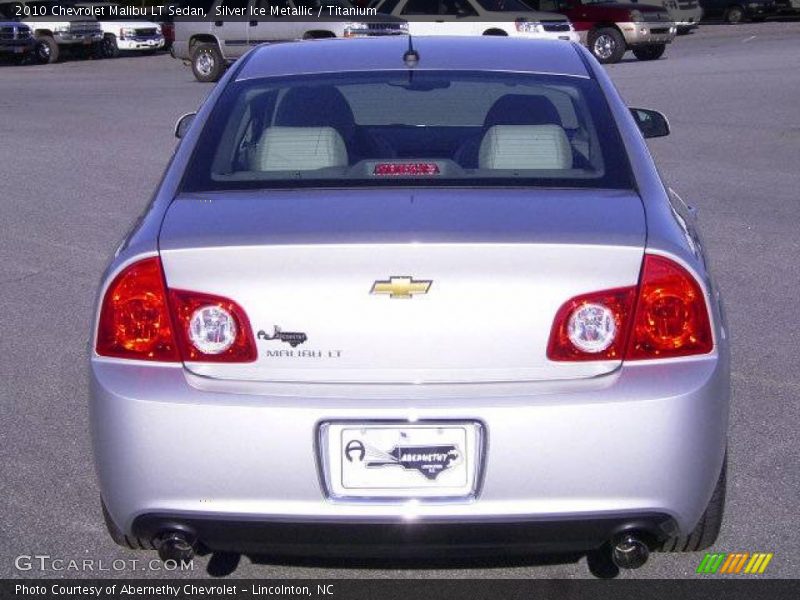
705, 533
46, 50
653, 52
207, 63
110, 47
734, 15
97, 51
607, 45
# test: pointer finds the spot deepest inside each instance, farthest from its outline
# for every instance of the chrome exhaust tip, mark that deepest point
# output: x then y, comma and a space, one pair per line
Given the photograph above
629, 552
176, 546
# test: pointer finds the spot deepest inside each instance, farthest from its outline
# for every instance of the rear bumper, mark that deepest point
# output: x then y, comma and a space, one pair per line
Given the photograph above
180, 50
403, 540
687, 18
642, 34
646, 440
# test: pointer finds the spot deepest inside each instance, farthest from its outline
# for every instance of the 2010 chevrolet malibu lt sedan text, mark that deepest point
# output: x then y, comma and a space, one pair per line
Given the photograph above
397, 294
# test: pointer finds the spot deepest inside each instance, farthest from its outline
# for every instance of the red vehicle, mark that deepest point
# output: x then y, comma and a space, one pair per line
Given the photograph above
168, 29
610, 28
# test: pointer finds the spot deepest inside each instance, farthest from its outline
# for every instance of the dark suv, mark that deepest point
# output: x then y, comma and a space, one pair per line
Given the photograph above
737, 11
16, 39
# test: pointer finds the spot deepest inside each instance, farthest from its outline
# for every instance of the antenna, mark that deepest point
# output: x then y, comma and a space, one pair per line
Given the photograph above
411, 57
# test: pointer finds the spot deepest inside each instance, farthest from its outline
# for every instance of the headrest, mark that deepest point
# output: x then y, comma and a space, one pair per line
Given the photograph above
522, 109
317, 106
299, 149
525, 147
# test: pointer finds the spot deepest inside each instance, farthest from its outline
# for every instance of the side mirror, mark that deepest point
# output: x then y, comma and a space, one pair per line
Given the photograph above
183, 124
651, 122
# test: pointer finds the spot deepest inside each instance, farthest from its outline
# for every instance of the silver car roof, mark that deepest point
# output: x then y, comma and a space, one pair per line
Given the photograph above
475, 53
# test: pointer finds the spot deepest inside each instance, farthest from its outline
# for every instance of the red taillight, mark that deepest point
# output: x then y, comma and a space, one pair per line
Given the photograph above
134, 318
618, 304
188, 309
671, 314
140, 319
405, 169
664, 317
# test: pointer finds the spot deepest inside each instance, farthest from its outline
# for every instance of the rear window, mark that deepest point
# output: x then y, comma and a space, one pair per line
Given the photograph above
410, 128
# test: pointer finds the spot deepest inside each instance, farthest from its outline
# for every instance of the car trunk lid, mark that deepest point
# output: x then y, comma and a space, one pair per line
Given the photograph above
403, 286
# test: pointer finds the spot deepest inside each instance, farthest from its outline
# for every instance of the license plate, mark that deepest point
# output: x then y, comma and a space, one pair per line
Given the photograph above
407, 460
19, 50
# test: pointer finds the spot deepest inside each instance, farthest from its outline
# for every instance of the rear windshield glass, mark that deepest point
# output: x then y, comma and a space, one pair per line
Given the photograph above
409, 128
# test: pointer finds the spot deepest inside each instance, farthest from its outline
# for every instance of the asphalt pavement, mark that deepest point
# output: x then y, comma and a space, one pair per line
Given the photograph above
83, 144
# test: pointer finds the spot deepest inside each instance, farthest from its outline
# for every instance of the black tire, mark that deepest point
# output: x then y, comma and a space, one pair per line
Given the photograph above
207, 63
97, 50
707, 530
734, 15
110, 48
607, 45
46, 50
120, 538
653, 52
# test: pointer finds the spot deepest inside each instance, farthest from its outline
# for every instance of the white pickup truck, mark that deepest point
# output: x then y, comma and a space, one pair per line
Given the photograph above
510, 18
54, 29
209, 46
125, 35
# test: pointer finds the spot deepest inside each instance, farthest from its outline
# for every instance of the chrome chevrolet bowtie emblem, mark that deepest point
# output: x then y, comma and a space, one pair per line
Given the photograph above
401, 287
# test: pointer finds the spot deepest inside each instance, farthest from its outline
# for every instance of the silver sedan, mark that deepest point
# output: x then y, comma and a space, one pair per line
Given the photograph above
397, 294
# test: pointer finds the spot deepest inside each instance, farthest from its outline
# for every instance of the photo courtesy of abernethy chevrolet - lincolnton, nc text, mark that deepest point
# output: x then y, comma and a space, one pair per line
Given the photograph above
363, 291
